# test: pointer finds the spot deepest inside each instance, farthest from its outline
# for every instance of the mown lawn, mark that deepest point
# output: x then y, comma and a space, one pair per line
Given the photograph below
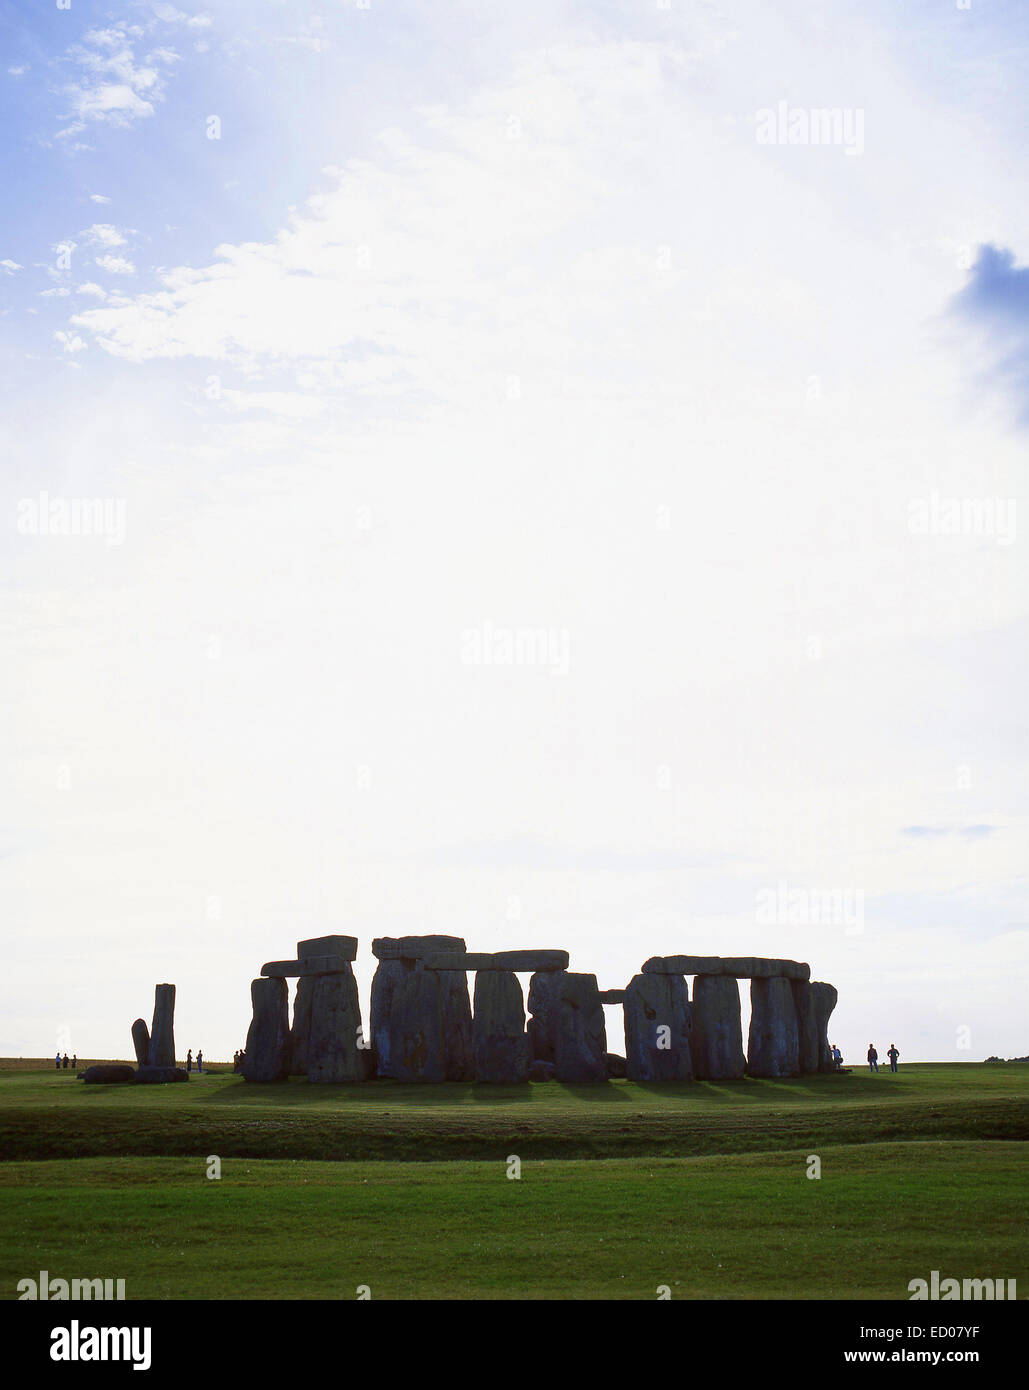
745, 1226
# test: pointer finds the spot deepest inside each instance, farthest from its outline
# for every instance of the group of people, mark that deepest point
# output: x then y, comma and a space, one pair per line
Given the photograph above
238, 1058
873, 1057
63, 1062
189, 1060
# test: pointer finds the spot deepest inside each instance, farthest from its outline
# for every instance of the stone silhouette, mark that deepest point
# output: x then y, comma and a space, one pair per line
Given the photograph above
716, 1043
657, 1029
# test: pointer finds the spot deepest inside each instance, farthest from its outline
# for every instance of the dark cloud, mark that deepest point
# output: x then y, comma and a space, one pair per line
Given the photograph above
996, 299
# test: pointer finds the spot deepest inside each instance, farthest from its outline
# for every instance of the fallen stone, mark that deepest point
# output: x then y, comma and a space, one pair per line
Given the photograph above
521, 961
267, 1047
544, 1003
416, 1028
107, 1073
740, 967
343, 946
162, 1030
159, 1075
311, 965
657, 1029
773, 1045
616, 1065
823, 1001
612, 996
141, 1042
716, 1043
300, 1033
542, 1071
500, 1047
580, 1048
333, 1054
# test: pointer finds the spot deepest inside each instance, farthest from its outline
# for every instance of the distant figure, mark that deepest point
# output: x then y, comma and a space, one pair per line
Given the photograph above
66, 1061
57, 1061
893, 1054
75, 1061
873, 1058
189, 1060
200, 1060
837, 1057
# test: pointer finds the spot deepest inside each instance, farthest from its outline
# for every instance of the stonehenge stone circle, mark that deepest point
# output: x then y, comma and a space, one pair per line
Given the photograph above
416, 1049
523, 961
773, 1045
399, 957
267, 1047
500, 1046
580, 1038
162, 1031
716, 1043
742, 967
807, 1027
141, 1042
333, 1053
301, 1030
657, 1029
343, 946
823, 1001
543, 1006
311, 965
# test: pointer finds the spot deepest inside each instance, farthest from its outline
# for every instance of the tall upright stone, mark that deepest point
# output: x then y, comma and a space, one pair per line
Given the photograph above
657, 1029
456, 1006
162, 1031
416, 1028
397, 957
267, 1049
716, 1043
580, 1046
773, 1045
500, 1047
141, 1042
544, 1005
301, 1030
807, 1027
823, 1001
333, 1050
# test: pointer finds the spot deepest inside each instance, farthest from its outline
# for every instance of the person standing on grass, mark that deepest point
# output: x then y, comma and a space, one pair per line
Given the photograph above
74, 1061
893, 1054
200, 1060
189, 1060
873, 1058
57, 1059
66, 1061
837, 1057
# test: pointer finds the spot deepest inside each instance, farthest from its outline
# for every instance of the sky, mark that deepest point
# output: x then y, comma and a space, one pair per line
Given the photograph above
552, 474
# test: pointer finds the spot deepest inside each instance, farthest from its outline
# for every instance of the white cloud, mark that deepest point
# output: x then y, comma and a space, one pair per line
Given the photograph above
10, 266
91, 288
116, 89
98, 198
103, 234
59, 292
71, 342
19, 71
115, 265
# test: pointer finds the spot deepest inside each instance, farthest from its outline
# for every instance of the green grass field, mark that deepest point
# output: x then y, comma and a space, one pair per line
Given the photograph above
623, 1187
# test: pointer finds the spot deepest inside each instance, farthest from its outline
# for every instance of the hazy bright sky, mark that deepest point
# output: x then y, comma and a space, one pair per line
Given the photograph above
388, 335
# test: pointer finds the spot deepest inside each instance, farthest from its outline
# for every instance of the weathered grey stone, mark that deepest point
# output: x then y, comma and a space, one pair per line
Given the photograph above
773, 1046
499, 1044
387, 977
823, 1001
416, 1051
807, 1027
612, 996
740, 967
300, 1033
345, 946
657, 1029
267, 1048
160, 1075
106, 1073
616, 1065
580, 1047
458, 1061
333, 1054
310, 965
716, 1043
414, 947
162, 1031
542, 1071
522, 961
141, 1042
544, 1004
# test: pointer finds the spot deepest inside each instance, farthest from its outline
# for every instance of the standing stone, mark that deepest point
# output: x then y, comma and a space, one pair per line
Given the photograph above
397, 956
657, 1029
162, 1031
773, 1046
807, 1027
580, 1049
716, 1043
141, 1042
500, 1047
333, 1054
301, 1030
387, 977
544, 1004
416, 1028
823, 1001
267, 1049
458, 1063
